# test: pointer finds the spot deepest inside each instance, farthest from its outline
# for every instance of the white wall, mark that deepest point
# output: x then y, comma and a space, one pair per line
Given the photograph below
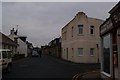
22, 48
85, 40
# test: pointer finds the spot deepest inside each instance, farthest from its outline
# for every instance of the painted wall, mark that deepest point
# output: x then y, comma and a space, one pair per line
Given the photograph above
85, 40
22, 48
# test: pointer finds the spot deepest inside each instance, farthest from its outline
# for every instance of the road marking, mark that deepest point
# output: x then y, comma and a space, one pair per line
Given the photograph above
74, 77
77, 77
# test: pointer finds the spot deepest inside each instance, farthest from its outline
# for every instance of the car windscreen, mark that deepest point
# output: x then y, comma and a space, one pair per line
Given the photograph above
4, 54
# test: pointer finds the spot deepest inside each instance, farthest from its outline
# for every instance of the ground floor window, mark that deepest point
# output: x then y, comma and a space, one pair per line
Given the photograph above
80, 51
91, 51
106, 53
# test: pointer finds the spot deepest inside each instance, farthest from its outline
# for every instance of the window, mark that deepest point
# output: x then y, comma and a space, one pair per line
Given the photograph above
72, 32
67, 53
91, 51
4, 54
65, 35
80, 28
64, 52
80, 51
106, 54
91, 29
9, 54
72, 51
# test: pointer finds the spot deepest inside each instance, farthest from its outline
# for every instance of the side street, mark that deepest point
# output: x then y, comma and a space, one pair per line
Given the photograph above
87, 48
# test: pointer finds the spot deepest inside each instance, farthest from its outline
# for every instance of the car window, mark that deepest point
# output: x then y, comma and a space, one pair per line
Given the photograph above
9, 54
4, 54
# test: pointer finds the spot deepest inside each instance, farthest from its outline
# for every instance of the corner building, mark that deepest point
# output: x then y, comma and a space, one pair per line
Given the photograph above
81, 39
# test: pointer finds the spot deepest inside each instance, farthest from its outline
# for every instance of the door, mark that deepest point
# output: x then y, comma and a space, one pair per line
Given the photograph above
67, 53
72, 54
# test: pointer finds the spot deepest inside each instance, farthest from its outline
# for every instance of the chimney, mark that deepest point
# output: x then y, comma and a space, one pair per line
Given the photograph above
12, 31
16, 31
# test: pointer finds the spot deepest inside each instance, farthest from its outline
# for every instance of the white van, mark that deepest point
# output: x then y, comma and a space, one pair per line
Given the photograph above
5, 60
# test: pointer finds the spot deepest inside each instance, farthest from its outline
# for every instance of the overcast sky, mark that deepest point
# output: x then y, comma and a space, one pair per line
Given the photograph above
42, 21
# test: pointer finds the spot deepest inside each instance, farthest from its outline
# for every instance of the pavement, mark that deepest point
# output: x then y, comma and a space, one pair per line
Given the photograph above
90, 75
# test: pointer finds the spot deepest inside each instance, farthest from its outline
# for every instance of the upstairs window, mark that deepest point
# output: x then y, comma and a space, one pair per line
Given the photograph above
80, 28
91, 51
66, 35
72, 32
91, 29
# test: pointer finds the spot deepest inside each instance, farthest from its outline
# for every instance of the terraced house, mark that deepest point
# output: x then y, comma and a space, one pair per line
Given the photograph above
7, 43
81, 40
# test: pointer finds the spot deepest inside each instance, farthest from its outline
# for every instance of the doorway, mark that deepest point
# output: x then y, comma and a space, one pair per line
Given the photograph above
115, 54
72, 54
67, 53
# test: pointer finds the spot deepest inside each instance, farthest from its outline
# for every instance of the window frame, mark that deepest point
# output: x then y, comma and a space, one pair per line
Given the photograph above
92, 28
72, 30
93, 51
104, 69
79, 54
80, 29
4, 54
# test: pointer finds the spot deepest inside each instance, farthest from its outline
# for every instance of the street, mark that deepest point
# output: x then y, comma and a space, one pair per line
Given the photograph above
47, 67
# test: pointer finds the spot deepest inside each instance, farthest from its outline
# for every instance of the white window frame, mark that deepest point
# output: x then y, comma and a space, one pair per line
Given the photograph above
79, 52
80, 27
92, 28
93, 51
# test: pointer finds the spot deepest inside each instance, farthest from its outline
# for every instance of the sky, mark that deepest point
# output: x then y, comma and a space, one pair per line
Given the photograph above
41, 22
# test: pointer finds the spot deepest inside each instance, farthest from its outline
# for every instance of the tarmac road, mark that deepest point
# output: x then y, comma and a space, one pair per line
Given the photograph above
46, 67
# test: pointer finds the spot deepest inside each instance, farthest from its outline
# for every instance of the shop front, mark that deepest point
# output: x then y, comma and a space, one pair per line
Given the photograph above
119, 52
110, 35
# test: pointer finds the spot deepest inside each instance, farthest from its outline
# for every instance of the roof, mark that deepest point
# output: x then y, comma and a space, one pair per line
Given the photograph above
6, 40
115, 8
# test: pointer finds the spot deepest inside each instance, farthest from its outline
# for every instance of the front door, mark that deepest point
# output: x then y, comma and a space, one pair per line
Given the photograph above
72, 54
67, 53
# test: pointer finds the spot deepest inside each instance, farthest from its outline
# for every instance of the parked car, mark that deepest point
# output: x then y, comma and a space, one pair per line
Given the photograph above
5, 60
35, 54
